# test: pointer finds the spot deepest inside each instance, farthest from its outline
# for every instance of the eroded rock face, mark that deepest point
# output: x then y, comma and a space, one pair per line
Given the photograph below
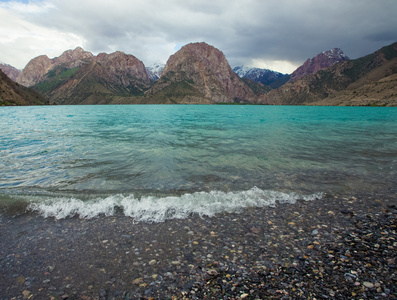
203, 71
323, 60
123, 68
34, 71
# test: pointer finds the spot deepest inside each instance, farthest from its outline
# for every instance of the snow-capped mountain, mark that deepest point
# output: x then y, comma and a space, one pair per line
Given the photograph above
154, 71
263, 76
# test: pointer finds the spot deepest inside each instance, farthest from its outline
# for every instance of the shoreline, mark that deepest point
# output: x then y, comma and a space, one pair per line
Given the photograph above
341, 246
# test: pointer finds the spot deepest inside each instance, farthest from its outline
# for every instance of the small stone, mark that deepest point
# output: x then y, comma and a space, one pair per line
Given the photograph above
255, 230
368, 284
137, 281
212, 272
152, 262
315, 232
243, 296
26, 294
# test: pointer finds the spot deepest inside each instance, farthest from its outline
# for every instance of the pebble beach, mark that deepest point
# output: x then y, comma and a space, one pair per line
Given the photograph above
338, 247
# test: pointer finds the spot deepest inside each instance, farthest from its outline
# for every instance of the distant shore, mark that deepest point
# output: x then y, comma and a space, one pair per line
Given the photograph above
343, 246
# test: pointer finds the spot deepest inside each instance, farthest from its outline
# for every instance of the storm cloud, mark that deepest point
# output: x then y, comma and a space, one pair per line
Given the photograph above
278, 35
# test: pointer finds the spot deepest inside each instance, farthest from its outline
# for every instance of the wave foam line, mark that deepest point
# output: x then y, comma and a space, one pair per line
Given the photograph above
158, 209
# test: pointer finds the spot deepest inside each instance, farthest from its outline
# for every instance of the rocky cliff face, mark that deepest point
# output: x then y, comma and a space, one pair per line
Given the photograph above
200, 73
34, 71
11, 93
10, 71
349, 77
124, 69
323, 60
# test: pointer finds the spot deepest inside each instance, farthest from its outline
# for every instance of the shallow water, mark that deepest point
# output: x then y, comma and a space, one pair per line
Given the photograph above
166, 161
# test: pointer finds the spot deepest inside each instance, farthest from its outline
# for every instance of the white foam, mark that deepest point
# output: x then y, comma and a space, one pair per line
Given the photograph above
159, 209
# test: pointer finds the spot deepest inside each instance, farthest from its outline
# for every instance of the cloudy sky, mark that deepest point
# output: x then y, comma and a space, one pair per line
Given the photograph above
274, 34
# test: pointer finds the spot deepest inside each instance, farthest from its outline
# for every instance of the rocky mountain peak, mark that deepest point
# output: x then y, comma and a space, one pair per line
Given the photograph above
323, 60
201, 53
69, 56
74, 57
203, 71
35, 70
123, 66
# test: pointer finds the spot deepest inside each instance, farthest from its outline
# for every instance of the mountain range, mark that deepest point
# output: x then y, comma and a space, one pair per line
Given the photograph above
199, 73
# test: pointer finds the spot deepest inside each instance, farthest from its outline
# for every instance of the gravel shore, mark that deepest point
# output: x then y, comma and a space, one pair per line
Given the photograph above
338, 247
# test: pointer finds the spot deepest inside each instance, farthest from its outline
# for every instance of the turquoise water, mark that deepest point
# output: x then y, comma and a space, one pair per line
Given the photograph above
90, 160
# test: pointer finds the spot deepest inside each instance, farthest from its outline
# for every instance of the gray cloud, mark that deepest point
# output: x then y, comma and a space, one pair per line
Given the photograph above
271, 32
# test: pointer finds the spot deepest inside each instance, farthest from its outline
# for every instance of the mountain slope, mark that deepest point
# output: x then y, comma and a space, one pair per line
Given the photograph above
199, 73
10, 71
12, 93
327, 83
376, 88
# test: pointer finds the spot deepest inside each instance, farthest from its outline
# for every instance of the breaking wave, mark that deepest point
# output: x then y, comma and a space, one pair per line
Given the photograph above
158, 209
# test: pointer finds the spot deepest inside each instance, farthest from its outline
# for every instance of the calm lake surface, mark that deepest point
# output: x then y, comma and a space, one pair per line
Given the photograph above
154, 162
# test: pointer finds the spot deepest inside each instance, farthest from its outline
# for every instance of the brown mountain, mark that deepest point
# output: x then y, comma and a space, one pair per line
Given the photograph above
35, 70
102, 79
10, 71
321, 61
12, 93
199, 73
335, 85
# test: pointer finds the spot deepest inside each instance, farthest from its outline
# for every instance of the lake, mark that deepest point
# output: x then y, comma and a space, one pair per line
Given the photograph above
158, 162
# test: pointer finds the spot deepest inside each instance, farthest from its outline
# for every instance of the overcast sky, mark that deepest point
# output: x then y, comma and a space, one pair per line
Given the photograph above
275, 34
